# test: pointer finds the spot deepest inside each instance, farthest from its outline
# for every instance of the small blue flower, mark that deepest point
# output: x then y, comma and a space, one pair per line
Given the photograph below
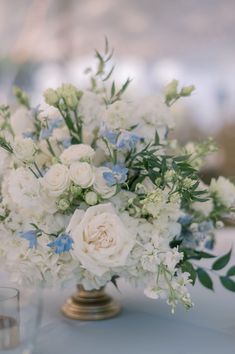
66, 143
205, 226
63, 243
127, 140
30, 236
28, 135
47, 132
185, 220
117, 175
109, 135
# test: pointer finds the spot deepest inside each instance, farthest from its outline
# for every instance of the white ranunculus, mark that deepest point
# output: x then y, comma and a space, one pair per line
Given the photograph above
79, 152
24, 188
224, 190
56, 180
81, 173
100, 185
22, 121
24, 149
101, 240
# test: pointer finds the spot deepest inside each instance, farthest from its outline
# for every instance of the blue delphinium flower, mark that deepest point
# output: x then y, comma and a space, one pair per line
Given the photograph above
30, 236
109, 135
28, 135
185, 220
63, 243
127, 140
117, 175
66, 143
47, 132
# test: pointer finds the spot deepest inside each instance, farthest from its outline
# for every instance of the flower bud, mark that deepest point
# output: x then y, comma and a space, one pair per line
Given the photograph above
51, 97
63, 205
187, 90
76, 191
91, 198
171, 90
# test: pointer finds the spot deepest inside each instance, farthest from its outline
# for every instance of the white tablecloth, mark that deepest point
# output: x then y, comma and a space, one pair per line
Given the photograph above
145, 326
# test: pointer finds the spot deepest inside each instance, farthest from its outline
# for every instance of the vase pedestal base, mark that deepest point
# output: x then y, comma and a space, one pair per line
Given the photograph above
91, 305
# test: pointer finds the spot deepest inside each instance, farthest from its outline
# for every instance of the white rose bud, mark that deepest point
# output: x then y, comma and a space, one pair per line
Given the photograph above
24, 149
56, 180
75, 153
63, 204
81, 173
91, 198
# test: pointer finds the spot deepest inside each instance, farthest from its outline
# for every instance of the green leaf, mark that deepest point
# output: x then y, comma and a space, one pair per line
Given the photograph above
113, 89
228, 283
222, 261
231, 271
188, 267
205, 279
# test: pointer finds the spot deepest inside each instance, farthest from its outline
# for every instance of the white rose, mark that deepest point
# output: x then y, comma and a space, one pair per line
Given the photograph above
100, 185
56, 180
21, 121
24, 149
81, 173
225, 191
101, 240
79, 152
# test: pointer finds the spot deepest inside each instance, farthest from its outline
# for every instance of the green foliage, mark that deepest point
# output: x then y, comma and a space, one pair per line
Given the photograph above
21, 96
228, 283
5, 145
205, 279
202, 274
222, 261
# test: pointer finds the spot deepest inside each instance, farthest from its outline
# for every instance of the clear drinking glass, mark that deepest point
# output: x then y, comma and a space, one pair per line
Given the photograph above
20, 316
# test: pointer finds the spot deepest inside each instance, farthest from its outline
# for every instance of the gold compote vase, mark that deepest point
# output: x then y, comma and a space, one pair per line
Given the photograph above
90, 305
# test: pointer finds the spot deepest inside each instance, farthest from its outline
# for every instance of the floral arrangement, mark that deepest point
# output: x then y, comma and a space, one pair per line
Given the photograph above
93, 189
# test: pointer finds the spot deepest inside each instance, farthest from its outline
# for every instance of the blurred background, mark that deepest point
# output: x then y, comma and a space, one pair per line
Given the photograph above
47, 42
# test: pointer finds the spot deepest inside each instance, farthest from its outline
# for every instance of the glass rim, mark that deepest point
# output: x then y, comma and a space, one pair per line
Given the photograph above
16, 294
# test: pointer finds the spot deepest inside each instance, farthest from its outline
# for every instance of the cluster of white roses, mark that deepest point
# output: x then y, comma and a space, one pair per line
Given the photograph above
89, 193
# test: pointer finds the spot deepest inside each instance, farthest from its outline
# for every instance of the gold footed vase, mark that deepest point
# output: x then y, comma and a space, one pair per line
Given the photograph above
91, 305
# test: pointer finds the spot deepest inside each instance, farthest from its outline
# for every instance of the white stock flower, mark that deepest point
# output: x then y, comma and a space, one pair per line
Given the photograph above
224, 190
100, 185
21, 121
81, 173
91, 108
119, 115
204, 208
154, 111
79, 152
24, 188
56, 180
101, 240
24, 149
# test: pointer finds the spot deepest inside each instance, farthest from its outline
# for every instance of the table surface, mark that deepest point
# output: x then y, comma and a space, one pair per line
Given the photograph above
145, 325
